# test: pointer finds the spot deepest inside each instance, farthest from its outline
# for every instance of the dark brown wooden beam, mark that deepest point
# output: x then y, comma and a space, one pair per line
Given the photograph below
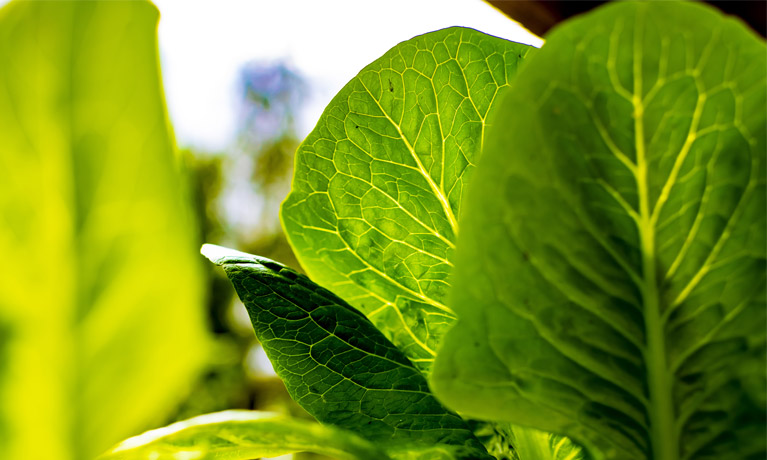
540, 16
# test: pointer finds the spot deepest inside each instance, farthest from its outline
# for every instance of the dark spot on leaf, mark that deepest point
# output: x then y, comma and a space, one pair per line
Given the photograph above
391, 87
525, 256
274, 266
357, 126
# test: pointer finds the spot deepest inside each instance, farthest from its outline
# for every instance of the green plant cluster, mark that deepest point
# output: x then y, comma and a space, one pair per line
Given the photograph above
608, 283
520, 253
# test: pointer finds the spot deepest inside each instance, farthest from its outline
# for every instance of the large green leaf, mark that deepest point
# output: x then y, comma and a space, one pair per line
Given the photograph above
333, 360
378, 184
243, 435
103, 337
610, 279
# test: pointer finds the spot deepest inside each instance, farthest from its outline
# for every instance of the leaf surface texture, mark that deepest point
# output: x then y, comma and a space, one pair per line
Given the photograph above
243, 435
610, 277
334, 361
377, 190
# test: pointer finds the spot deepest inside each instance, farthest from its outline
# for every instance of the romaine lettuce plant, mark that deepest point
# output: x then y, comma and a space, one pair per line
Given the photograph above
608, 280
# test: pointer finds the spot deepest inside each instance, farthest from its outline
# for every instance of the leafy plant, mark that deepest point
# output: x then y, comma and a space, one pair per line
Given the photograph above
610, 269
611, 278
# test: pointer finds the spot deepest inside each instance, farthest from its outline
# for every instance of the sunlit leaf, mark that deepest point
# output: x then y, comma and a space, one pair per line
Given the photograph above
378, 184
610, 278
532, 444
243, 435
103, 337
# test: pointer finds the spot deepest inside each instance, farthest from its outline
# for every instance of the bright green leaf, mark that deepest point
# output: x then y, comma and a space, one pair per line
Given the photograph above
334, 362
243, 435
378, 184
103, 335
514, 442
432, 452
532, 444
610, 280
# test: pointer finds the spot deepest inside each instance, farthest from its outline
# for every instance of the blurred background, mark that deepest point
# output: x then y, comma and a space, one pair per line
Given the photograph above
108, 326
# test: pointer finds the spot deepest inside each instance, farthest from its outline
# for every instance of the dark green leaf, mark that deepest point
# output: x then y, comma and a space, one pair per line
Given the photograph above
334, 362
610, 279
378, 184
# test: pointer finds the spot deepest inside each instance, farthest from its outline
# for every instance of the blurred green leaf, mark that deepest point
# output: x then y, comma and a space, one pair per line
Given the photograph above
334, 361
378, 184
103, 338
241, 435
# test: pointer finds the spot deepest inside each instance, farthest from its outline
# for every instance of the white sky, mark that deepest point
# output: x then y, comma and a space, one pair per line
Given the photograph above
204, 44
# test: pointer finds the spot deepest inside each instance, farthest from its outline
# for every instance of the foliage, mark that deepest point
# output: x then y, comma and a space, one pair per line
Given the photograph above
378, 183
243, 434
611, 271
93, 212
609, 253
611, 279
335, 363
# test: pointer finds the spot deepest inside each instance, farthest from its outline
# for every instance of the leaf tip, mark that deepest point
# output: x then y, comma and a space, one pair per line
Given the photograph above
220, 255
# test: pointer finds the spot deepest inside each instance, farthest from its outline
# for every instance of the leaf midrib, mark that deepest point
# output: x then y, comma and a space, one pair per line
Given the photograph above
436, 189
663, 438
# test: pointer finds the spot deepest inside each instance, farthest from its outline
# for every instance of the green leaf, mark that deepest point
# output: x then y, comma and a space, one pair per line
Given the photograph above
333, 360
531, 444
610, 277
514, 442
433, 452
243, 435
103, 335
378, 184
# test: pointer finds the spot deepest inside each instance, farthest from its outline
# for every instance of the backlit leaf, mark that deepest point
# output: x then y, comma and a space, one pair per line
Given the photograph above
610, 280
243, 435
378, 184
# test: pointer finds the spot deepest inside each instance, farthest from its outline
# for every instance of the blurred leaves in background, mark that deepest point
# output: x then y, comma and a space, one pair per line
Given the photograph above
100, 337
237, 195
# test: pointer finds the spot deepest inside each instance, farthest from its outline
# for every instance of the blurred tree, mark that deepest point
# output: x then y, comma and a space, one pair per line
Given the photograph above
237, 195
261, 166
